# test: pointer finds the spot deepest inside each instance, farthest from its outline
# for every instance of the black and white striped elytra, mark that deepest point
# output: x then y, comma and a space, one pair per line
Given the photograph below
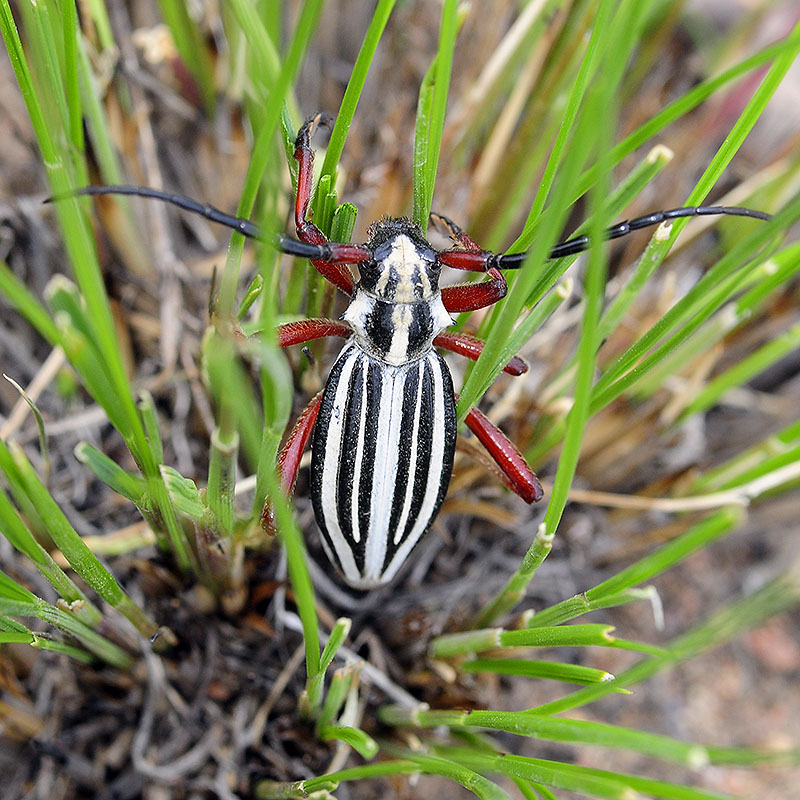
381, 459
383, 443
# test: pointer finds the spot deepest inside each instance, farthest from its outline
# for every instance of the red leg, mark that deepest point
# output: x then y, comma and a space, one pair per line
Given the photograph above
469, 346
472, 296
469, 296
333, 269
307, 231
290, 455
455, 232
514, 470
304, 330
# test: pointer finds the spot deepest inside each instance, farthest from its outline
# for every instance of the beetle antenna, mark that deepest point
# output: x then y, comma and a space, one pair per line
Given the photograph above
580, 243
285, 244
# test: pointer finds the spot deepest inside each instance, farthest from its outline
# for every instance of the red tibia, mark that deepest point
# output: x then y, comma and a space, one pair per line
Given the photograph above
469, 346
471, 296
304, 156
516, 473
304, 330
333, 269
289, 458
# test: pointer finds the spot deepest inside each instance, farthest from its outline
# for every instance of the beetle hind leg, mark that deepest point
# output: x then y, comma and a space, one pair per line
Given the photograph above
514, 470
290, 456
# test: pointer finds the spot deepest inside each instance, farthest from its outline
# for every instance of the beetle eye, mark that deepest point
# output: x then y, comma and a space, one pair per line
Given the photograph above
382, 251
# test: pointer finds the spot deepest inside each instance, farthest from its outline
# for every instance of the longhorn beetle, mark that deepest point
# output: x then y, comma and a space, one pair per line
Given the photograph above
383, 429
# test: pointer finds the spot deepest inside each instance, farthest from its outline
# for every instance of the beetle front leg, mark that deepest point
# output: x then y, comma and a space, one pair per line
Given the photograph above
307, 231
455, 232
514, 470
469, 296
472, 296
332, 269
290, 456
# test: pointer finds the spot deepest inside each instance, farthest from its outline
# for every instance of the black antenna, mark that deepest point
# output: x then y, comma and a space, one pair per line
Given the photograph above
322, 252
284, 244
579, 244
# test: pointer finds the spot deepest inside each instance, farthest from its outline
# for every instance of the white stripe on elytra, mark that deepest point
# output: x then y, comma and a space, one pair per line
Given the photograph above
360, 438
434, 470
387, 450
412, 463
330, 468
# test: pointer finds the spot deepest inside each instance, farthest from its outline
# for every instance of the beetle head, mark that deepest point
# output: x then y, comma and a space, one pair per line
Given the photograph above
403, 268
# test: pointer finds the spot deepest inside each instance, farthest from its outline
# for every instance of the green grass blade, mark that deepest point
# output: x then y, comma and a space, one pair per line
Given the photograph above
580, 604
27, 305
547, 670
593, 782
436, 765
222, 479
597, 44
430, 115
697, 537
361, 742
339, 633
550, 773
16, 601
18, 534
127, 484
263, 147
355, 85
535, 726
341, 683
776, 596
773, 452
744, 371
80, 557
455, 644
514, 589
681, 107
189, 42
12, 631
717, 286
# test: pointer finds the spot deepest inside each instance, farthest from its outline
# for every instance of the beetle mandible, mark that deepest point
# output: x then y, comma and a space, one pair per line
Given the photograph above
383, 429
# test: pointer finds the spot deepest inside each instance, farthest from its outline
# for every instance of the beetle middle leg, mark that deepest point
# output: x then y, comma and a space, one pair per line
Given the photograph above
306, 330
471, 347
291, 333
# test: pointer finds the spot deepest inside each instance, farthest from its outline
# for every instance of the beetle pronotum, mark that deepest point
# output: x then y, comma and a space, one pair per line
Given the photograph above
383, 428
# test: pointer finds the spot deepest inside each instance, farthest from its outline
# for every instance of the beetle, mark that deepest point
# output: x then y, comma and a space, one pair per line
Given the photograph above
383, 429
